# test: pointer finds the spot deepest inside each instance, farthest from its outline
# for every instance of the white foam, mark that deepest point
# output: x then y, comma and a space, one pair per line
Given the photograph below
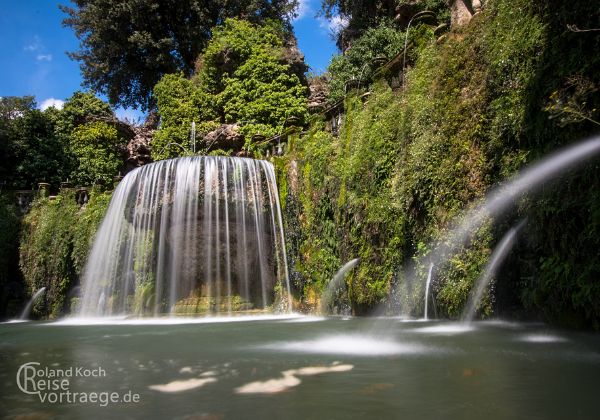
208, 373
542, 338
317, 370
270, 386
304, 319
289, 379
169, 320
183, 385
360, 345
446, 329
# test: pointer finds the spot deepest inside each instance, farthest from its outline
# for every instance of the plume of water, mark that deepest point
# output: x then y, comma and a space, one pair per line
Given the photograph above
193, 137
496, 259
190, 235
499, 199
336, 283
425, 315
34, 298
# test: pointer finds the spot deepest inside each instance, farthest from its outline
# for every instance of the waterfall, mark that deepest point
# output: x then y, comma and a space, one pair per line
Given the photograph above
426, 312
187, 236
25, 314
496, 259
335, 284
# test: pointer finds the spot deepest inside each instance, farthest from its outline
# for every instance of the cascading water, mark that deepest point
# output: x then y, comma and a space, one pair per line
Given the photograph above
335, 284
496, 202
497, 257
425, 315
187, 236
25, 314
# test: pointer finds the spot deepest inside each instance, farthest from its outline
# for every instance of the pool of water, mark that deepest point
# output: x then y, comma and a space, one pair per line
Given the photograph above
297, 368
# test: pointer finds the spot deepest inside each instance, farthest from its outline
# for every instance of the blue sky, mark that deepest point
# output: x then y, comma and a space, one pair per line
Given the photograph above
34, 45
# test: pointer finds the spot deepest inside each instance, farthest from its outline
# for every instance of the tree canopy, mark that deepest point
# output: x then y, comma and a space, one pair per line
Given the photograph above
126, 46
30, 152
361, 15
244, 76
78, 142
381, 41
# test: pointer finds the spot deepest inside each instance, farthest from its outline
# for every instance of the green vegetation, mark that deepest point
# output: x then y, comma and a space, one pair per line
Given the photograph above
475, 108
127, 46
360, 16
30, 150
55, 240
180, 103
10, 285
79, 143
243, 77
261, 89
356, 64
96, 147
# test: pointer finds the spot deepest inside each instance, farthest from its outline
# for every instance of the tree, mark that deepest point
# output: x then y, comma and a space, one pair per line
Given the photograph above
246, 68
81, 108
381, 41
76, 125
180, 103
79, 142
244, 76
128, 45
29, 148
363, 14
97, 147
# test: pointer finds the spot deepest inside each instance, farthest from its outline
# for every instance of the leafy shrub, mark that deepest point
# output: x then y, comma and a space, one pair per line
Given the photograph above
242, 77
384, 40
98, 149
55, 240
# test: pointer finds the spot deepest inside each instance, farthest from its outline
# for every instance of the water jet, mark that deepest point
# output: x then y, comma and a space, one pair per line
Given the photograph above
34, 298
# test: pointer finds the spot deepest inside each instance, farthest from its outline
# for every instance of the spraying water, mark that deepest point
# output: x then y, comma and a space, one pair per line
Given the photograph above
497, 257
499, 199
34, 298
189, 235
425, 315
336, 283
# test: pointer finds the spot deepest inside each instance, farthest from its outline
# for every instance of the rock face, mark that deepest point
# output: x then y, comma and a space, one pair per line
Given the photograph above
138, 148
295, 59
461, 11
319, 91
226, 137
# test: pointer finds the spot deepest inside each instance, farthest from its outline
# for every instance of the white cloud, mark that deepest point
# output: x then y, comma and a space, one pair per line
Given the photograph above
52, 102
35, 45
333, 25
37, 49
303, 9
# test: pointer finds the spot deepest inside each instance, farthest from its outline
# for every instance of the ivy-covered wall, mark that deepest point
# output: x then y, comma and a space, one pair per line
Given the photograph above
56, 237
478, 105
